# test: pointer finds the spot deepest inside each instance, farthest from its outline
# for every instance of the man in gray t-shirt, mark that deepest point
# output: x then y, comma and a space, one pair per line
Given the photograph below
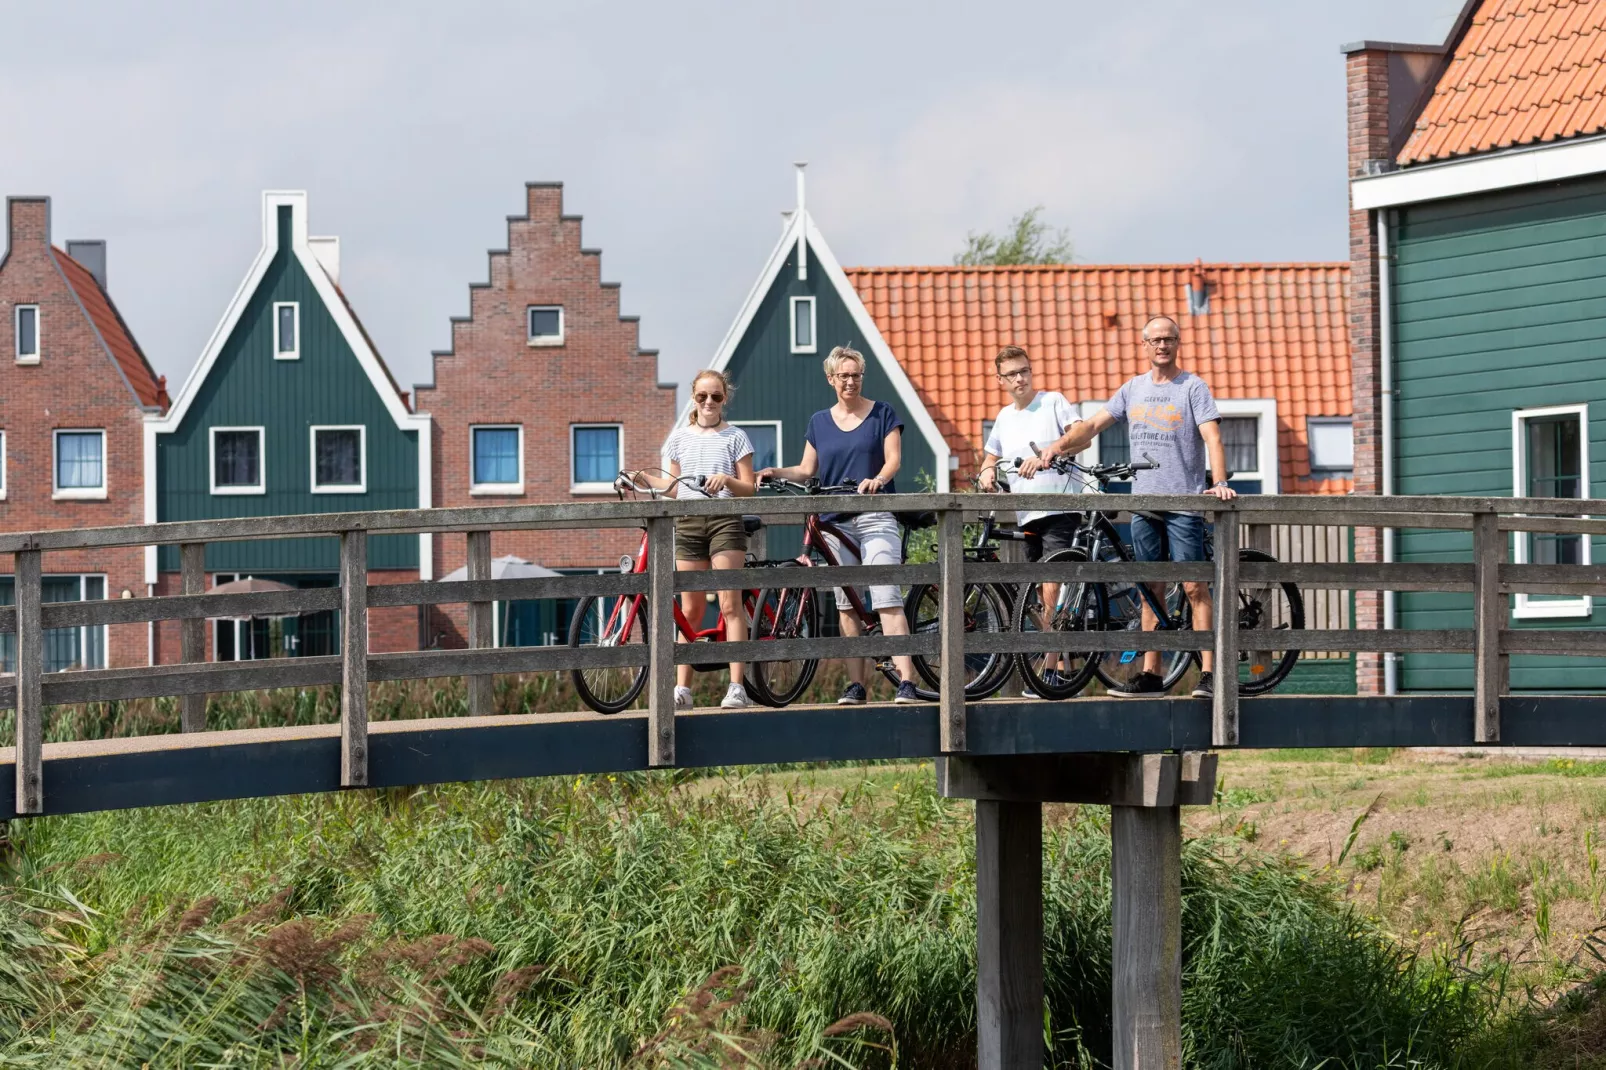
1171, 418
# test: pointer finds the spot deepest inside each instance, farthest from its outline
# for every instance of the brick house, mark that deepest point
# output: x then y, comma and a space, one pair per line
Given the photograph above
545, 394
77, 391
1478, 249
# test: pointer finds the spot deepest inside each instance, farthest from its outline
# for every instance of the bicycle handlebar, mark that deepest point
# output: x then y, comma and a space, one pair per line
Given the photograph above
808, 486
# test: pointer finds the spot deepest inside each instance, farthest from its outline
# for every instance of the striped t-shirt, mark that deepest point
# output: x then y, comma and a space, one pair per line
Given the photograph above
702, 452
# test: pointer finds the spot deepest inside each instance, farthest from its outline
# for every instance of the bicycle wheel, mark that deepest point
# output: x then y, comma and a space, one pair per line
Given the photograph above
1061, 674
606, 621
784, 613
984, 612
1264, 609
1123, 607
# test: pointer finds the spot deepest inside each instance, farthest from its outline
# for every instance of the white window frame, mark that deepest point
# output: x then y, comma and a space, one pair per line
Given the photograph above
545, 339
1522, 607
360, 487
58, 493
814, 325
1310, 444
492, 489
16, 335
295, 352
261, 486
780, 445
1266, 410
593, 488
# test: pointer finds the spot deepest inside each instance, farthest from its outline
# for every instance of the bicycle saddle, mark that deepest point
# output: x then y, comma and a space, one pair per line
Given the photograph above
915, 521
751, 524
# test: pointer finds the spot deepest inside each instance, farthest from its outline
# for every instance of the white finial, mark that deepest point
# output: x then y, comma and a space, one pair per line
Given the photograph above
803, 225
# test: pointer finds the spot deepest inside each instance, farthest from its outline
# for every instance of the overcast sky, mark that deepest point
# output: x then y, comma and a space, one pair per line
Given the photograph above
1158, 130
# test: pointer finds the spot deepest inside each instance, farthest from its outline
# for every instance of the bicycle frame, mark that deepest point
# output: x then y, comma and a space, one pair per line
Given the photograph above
814, 532
632, 609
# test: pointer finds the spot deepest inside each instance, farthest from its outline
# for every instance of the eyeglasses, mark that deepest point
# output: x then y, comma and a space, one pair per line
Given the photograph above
1018, 373
1156, 343
717, 399
849, 377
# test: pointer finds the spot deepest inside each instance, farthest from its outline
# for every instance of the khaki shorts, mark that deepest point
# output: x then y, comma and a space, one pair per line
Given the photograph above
699, 538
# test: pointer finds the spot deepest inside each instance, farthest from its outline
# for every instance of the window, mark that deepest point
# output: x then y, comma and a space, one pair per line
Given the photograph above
765, 436
80, 464
596, 453
1332, 443
986, 431
65, 648
237, 466
497, 459
1241, 437
545, 325
1249, 436
1550, 460
803, 325
27, 327
286, 331
339, 460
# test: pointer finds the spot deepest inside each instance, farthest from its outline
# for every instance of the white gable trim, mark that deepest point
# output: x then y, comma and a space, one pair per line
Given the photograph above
801, 226
1480, 174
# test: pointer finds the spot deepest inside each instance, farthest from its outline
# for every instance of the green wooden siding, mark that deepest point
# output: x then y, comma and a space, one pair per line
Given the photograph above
1497, 305
773, 383
247, 387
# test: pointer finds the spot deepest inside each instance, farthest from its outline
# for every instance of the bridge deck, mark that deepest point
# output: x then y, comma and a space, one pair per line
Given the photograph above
114, 774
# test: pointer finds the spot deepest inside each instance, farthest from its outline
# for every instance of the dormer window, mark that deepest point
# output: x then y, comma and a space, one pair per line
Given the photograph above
544, 325
286, 331
27, 333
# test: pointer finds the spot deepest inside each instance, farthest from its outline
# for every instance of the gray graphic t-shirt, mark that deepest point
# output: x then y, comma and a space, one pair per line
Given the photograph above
1163, 421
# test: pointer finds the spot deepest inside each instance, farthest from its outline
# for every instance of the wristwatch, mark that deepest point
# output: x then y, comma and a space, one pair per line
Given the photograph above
1221, 483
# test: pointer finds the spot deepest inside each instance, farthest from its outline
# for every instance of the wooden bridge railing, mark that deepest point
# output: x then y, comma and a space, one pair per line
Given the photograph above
1487, 576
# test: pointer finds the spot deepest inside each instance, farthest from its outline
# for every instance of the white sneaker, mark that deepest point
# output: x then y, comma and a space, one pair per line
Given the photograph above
682, 698
735, 697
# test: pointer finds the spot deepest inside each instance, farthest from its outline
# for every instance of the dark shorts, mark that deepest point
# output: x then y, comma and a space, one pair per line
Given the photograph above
699, 538
1184, 532
1050, 534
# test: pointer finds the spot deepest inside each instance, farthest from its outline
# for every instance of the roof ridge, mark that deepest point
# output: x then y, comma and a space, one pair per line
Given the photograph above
1180, 265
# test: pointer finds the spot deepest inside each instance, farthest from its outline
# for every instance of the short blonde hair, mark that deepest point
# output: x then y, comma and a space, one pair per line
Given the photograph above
840, 354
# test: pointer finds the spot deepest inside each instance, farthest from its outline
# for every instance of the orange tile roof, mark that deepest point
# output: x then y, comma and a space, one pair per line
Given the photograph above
1524, 71
148, 387
1272, 330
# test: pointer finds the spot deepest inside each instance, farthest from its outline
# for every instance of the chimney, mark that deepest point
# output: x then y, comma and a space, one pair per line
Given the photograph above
327, 252
27, 222
92, 255
1387, 84
1198, 291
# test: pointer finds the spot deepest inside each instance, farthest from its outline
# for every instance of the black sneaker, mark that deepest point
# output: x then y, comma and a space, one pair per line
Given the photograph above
852, 695
1206, 687
1144, 685
906, 692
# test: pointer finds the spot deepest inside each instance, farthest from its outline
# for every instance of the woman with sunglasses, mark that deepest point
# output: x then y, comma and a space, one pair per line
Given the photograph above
707, 446
859, 441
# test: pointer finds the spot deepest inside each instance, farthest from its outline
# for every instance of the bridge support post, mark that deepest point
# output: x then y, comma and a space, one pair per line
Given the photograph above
192, 633
481, 628
1145, 793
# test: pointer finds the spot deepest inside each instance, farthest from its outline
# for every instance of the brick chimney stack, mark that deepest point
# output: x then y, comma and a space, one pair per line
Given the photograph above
27, 222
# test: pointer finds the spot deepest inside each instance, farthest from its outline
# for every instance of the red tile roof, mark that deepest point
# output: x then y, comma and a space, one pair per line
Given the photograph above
1271, 331
1524, 71
148, 387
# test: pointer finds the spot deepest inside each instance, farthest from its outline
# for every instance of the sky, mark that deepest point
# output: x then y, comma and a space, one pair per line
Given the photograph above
1163, 130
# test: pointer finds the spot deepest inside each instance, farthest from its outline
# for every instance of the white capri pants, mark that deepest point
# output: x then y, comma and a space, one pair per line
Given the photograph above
880, 543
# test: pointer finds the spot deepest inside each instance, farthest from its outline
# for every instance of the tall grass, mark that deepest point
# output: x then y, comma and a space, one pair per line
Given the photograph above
646, 920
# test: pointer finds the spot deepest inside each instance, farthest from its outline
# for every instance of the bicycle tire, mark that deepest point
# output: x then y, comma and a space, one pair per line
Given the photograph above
985, 673
1116, 668
1086, 614
584, 630
756, 688
1261, 681
796, 616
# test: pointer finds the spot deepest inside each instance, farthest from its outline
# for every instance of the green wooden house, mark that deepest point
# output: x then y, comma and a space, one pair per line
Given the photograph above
289, 410
801, 306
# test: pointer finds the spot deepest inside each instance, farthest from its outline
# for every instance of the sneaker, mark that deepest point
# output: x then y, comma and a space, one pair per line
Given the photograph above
906, 692
1144, 685
735, 697
682, 698
1206, 687
852, 695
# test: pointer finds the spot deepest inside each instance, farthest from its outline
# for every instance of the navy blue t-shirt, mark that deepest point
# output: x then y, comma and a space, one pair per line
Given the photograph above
849, 456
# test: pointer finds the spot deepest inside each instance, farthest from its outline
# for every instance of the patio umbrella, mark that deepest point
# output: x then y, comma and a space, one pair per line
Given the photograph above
253, 585
505, 568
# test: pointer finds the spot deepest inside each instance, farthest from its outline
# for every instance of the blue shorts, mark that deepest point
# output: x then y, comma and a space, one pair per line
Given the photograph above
1184, 532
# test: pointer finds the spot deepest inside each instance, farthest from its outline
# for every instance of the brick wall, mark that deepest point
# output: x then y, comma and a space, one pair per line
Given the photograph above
76, 384
491, 375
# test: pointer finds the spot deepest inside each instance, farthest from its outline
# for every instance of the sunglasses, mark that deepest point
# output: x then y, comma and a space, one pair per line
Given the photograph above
717, 399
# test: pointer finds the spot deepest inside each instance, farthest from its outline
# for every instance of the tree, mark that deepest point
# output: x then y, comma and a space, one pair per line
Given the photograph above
1028, 240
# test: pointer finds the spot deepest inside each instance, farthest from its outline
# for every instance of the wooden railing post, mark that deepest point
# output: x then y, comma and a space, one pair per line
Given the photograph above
481, 625
661, 641
30, 703
951, 627
1224, 615
192, 633
353, 659
1491, 668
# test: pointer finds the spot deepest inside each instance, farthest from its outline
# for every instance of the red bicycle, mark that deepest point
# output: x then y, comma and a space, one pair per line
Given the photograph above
620, 620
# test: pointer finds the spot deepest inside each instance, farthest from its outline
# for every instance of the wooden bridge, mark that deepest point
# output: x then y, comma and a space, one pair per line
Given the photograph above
1143, 757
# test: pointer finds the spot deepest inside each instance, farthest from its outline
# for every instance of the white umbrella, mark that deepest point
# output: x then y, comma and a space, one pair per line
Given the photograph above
253, 585
505, 568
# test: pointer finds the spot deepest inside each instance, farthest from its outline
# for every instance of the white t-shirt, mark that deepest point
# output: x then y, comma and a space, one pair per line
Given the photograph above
1014, 433
702, 451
